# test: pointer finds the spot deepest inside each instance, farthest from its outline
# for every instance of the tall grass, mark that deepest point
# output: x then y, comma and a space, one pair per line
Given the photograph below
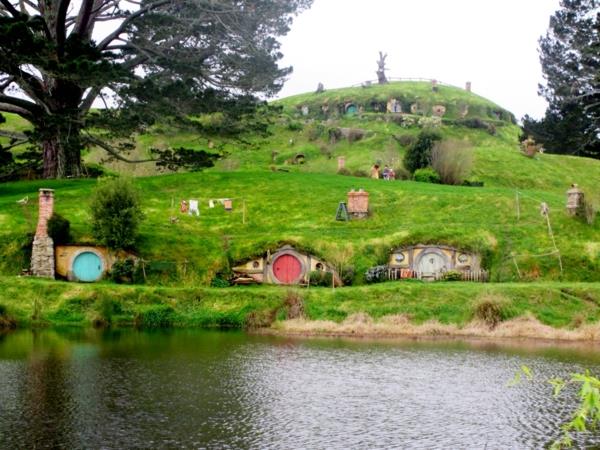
452, 160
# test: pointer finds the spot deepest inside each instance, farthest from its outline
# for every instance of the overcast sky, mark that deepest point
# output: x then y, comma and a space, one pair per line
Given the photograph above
492, 43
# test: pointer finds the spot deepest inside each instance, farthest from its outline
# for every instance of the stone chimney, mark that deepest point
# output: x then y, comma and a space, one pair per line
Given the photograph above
574, 200
42, 255
341, 162
358, 204
468, 86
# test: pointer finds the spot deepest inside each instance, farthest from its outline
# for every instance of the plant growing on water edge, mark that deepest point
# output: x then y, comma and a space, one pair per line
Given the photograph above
587, 413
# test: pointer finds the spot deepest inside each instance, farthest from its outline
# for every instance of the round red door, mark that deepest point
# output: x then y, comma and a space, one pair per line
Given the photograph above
287, 269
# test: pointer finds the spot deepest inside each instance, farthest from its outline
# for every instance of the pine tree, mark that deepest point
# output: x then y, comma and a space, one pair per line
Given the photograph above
155, 59
570, 58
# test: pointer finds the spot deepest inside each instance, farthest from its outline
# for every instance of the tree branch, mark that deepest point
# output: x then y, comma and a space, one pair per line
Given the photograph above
121, 28
12, 135
63, 7
114, 152
10, 8
6, 107
83, 18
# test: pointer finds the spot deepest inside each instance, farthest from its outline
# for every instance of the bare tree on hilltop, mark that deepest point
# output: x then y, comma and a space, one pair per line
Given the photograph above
381, 79
148, 59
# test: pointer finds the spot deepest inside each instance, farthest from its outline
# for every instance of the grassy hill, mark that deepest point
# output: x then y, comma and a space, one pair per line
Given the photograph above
288, 203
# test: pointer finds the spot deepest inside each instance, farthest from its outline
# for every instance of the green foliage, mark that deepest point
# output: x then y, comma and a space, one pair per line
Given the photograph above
477, 124
123, 271
418, 155
220, 281
377, 274
570, 56
116, 213
344, 171
491, 309
452, 275
155, 316
427, 175
320, 278
59, 229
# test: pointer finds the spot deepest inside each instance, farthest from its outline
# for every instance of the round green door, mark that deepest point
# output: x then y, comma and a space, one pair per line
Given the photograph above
87, 266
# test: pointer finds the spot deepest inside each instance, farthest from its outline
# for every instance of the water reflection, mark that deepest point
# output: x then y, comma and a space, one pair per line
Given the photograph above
128, 389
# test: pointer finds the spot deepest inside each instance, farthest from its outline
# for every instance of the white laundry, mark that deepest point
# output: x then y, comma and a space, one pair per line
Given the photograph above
193, 208
211, 203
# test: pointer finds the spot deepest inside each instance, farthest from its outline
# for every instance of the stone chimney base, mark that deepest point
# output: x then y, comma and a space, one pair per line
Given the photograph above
42, 257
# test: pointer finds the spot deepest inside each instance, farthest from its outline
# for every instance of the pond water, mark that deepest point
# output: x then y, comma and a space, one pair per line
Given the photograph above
211, 389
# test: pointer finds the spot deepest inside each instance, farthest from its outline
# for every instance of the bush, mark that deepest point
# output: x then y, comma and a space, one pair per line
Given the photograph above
402, 173
116, 213
360, 173
406, 140
219, 281
452, 275
473, 183
59, 229
452, 161
347, 275
122, 271
320, 278
491, 309
418, 155
376, 274
295, 126
344, 171
427, 175
477, 123
315, 131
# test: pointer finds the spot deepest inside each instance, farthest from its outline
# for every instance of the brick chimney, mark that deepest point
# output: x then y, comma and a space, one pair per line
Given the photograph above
42, 255
358, 204
341, 162
46, 208
468, 86
574, 200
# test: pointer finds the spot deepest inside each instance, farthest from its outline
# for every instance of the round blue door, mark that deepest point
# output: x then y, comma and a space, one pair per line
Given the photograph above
87, 267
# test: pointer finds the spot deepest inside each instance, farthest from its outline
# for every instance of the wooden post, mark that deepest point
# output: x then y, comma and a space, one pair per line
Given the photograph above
516, 265
554, 242
244, 212
518, 206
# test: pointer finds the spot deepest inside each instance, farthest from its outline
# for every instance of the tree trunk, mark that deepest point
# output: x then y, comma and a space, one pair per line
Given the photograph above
61, 156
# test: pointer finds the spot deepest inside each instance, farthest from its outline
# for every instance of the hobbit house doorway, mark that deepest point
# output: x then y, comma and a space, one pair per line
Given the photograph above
287, 269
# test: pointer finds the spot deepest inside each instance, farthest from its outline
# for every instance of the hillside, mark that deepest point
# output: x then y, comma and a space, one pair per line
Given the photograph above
296, 203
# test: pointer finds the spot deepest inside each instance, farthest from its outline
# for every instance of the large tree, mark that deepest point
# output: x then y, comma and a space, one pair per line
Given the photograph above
144, 60
570, 58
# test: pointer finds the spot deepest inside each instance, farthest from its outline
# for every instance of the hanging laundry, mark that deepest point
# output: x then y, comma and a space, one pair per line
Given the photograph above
228, 203
221, 201
183, 207
211, 203
194, 208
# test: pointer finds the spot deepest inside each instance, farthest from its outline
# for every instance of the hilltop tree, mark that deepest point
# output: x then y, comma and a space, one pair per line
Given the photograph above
570, 58
144, 60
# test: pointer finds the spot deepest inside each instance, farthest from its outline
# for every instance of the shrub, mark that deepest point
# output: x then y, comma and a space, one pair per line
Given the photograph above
418, 155
320, 278
452, 275
452, 161
402, 173
347, 275
116, 213
473, 183
491, 309
122, 271
427, 175
376, 274
59, 229
344, 171
360, 173
477, 123
589, 210
295, 126
315, 131
219, 281
430, 122
405, 140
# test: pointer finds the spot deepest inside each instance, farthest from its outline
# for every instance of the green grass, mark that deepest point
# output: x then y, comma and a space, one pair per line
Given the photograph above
59, 303
298, 206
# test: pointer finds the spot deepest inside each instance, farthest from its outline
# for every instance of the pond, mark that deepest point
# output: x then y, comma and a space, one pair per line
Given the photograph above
212, 389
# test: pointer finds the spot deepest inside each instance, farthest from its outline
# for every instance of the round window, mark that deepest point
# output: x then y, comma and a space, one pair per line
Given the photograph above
255, 264
463, 258
399, 257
